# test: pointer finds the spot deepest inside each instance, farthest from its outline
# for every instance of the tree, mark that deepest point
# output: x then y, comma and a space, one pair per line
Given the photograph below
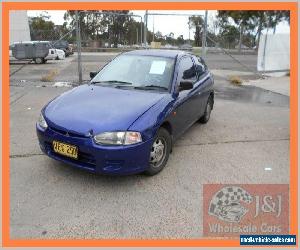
243, 19
269, 19
117, 26
249, 21
133, 34
228, 36
214, 25
159, 37
180, 40
276, 16
149, 36
107, 25
170, 38
90, 23
41, 28
197, 23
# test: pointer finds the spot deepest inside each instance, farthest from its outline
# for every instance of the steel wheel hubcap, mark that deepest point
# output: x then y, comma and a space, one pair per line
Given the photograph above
157, 151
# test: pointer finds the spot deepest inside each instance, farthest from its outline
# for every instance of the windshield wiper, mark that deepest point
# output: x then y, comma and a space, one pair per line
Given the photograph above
151, 87
116, 82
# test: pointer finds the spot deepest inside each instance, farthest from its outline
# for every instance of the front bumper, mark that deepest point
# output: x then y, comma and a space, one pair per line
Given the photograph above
112, 160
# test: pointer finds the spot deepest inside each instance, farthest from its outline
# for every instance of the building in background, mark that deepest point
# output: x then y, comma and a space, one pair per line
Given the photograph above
274, 54
18, 26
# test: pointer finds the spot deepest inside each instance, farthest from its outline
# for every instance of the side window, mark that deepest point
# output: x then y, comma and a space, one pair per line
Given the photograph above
200, 66
186, 70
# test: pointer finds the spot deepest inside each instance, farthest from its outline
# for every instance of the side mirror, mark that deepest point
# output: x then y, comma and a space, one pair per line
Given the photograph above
93, 74
200, 69
185, 85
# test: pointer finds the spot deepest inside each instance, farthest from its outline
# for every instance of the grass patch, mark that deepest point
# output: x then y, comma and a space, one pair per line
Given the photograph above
236, 80
196, 51
50, 76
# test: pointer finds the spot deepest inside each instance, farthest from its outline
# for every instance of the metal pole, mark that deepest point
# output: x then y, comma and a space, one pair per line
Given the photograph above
153, 30
204, 35
137, 36
145, 27
189, 32
265, 47
141, 31
78, 38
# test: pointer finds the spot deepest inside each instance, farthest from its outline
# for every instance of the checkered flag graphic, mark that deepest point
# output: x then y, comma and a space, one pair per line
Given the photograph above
227, 196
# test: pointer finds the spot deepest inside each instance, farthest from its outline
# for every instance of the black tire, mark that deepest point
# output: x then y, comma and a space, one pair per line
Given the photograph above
57, 58
39, 60
44, 60
209, 106
163, 137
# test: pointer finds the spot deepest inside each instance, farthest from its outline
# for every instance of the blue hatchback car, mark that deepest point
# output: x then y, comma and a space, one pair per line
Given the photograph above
126, 119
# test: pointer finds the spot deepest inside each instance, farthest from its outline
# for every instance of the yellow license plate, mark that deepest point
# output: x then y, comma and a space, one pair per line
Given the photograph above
65, 149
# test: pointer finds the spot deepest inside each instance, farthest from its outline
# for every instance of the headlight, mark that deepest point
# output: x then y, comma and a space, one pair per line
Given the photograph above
118, 138
42, 122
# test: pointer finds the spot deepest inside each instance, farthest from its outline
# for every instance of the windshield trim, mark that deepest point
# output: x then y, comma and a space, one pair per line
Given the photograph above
129, 88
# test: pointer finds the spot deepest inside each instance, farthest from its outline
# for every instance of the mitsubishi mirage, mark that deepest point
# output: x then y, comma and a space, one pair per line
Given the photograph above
127, 118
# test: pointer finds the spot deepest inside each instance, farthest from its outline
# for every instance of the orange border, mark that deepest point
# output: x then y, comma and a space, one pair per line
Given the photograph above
292, 6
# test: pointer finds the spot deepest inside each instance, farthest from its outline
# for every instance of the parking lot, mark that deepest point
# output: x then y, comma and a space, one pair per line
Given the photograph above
245, 142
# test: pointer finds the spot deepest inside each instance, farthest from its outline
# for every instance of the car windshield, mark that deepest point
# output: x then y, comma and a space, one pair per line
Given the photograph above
139, 72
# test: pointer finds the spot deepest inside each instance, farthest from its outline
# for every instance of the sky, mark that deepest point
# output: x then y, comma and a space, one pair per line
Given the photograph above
165, 24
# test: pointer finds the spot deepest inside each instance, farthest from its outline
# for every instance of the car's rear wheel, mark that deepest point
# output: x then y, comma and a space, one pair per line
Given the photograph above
207, 112
159, 153
39, 60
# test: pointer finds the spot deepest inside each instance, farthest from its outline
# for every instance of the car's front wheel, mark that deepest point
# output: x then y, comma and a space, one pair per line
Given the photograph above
159, 153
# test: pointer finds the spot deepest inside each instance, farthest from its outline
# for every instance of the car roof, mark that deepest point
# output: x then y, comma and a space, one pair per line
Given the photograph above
158, 52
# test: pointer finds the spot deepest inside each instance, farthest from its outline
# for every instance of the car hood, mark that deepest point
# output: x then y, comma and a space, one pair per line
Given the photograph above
91, 109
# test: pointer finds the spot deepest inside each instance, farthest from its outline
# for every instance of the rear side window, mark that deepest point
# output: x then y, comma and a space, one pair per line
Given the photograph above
186, 70
200, 66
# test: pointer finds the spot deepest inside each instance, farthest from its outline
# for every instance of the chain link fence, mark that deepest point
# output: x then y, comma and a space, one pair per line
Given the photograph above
120, 29
126, 31
117, 31
68, 35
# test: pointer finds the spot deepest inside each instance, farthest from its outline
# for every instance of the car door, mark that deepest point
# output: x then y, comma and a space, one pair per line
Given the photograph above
184, 107
202, 86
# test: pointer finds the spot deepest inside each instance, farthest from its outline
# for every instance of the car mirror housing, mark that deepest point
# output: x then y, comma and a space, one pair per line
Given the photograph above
185, 85
93, 74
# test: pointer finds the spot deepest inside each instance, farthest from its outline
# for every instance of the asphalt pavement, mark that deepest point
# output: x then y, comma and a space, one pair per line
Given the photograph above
245, 141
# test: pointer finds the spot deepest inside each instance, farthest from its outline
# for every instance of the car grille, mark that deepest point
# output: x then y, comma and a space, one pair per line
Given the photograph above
67, 133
